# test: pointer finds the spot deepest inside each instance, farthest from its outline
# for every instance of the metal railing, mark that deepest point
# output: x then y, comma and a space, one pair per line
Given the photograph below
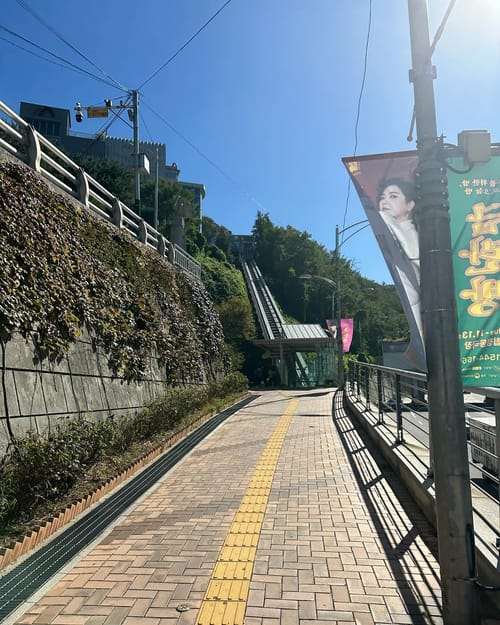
23, 142
397, 399
270, 319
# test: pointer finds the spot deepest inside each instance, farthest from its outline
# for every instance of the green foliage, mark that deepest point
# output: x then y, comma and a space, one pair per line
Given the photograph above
237, 320
172, 197
41, 469
63, 270
44, 469
284, 254
221, 279
112, 175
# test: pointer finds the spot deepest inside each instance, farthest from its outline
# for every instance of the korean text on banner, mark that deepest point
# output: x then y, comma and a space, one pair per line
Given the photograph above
475, 223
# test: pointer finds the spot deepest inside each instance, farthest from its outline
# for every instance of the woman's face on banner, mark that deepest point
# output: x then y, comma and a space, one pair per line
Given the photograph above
393, 202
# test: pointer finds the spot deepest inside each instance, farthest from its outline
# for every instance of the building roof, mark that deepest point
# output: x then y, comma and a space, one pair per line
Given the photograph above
305, 331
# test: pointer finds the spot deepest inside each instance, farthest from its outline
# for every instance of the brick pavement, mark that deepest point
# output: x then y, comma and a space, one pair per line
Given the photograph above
340, 543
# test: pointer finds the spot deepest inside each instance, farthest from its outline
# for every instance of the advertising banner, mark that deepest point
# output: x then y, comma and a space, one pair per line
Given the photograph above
475, 206
347, 326
385, 185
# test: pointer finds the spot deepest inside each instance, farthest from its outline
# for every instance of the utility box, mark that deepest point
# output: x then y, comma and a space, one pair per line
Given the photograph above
142, 163
476, 145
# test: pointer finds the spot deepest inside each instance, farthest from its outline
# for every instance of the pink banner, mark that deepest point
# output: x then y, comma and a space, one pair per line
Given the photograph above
347, 326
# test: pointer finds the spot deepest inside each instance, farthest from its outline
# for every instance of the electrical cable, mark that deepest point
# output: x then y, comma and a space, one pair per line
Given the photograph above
26, 7
206, 158
68, 64
358, 113
170, 59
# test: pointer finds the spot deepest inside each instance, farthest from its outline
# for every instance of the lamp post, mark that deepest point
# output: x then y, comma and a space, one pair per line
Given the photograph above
364, 224
308, 276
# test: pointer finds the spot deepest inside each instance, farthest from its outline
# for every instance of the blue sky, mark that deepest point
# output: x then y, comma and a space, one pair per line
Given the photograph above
267, 93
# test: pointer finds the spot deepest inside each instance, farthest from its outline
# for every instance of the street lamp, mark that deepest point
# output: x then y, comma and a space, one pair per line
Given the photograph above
308, 276
364, 224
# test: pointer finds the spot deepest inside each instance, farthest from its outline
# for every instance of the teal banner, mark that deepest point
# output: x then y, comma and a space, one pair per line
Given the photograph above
475, 222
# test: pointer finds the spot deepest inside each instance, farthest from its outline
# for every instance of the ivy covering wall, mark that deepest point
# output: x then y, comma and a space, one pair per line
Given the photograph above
62, 270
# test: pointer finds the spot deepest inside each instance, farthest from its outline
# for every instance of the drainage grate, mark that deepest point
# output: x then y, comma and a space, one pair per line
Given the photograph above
32, 573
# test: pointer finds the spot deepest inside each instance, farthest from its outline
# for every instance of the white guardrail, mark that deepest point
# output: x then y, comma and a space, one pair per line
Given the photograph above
56, 167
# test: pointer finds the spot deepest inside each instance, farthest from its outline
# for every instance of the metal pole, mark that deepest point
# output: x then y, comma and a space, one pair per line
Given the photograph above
156, 222
340, 346
137, 175
445, 391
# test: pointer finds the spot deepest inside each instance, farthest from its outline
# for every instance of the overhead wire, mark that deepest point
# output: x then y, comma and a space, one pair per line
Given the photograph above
66, 63
206, 158
23, 4
358, 111
115, 83
171, 58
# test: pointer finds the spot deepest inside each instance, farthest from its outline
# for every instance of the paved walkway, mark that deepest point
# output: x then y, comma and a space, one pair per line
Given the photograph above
280, 517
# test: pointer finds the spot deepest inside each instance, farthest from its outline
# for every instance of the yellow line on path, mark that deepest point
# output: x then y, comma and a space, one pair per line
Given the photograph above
227, 593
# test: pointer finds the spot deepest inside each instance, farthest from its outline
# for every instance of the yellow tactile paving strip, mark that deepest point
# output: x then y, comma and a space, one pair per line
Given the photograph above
225, 600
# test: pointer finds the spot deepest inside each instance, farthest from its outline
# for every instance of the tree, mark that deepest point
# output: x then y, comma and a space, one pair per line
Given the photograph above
112, 175
171, 194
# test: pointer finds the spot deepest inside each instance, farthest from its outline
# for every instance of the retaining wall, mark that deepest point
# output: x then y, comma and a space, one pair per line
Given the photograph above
34, 396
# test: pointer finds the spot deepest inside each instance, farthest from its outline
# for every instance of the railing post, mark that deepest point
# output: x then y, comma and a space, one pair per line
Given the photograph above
82, 187
358, 384
379, 397
162, 246
143, 233
117, 216
34, 150
399, 412
497, 420
367, 389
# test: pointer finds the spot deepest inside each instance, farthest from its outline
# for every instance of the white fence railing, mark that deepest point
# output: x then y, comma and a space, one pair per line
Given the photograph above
28, 145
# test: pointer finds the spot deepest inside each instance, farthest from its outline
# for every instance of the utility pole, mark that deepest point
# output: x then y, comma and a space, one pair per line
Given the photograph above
140, 165
137, 175
445, 390
157, 167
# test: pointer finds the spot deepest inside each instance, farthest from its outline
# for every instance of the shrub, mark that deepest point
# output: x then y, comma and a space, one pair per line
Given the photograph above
41, 470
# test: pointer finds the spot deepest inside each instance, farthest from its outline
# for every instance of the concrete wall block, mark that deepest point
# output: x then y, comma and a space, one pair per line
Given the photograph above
19, 353
93, 395
25, 394
71, 403
82, 359
79, 393
53, 393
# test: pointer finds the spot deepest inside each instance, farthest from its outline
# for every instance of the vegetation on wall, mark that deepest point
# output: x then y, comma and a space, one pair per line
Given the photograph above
63, 270
43, 470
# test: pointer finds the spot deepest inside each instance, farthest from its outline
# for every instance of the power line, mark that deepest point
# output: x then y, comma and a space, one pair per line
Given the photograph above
67, 64
170, 59
358, 112
40, 19
206, 158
